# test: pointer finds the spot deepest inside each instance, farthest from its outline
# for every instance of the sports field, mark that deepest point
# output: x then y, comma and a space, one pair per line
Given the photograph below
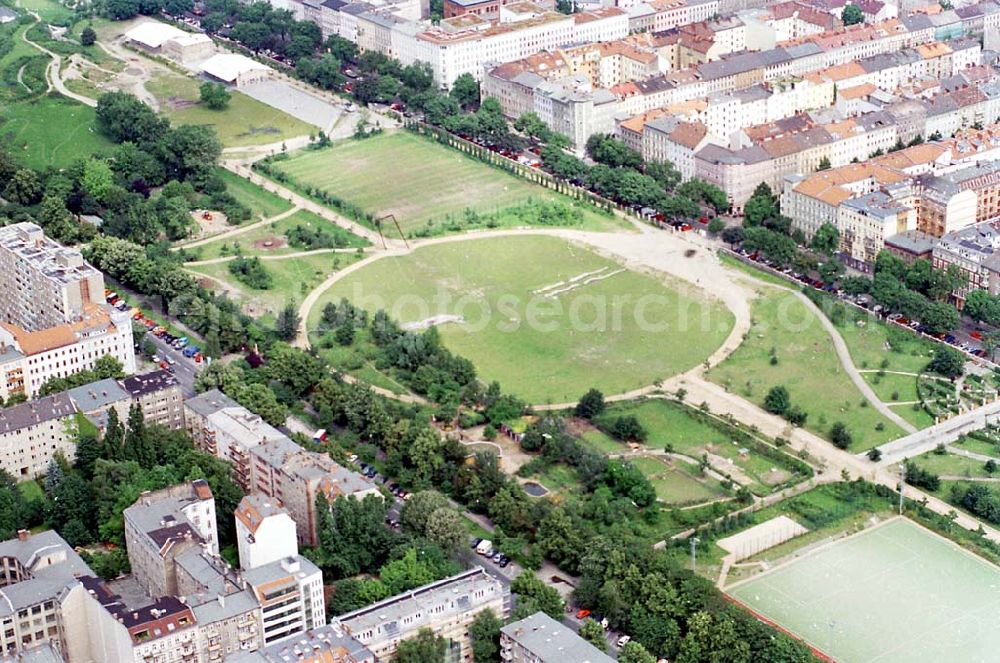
421, 181
896, 593
546, 318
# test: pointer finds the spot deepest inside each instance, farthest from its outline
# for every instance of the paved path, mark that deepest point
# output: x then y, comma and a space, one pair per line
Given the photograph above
52, 77
845, 360
942, 433
283, 256
303, 203
237, 230
971, 454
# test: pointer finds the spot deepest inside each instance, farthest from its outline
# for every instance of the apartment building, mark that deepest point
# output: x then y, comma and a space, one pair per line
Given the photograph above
267, 463
98, 398
974, 251
39, 592
45, 284
29, 358
164, 524
290, 594
222, 427
282, 470
32, 433
265, 532
159, 396
326, 644
541, 639
161, 631
447, 607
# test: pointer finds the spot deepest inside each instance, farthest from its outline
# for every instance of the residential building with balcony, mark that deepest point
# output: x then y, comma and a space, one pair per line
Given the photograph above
32, 433
158, 394
447, 607
290, 594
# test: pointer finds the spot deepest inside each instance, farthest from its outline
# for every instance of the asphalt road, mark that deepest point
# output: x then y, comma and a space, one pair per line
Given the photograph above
184, 368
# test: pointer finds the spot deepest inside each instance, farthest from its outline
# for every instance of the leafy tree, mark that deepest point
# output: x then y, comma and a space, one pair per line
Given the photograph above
122, 117
214, 95
87, 36
465, 90
405, 573
940, 317
840, 436
733, 235
260, 398
484, 633
827, 239
425, 647
627, 428
287, 323
417, 510
534, 595
761, 207
777, 400
446, 528
24, 188
874, 454
591, 404
253, 35
852, 15
633, 652
824, 164
716, 225
593, 633
947, 362
990, 466
178, 7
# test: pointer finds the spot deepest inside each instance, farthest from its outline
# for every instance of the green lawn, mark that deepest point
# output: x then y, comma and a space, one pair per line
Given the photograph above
48, 10
245, 121
31, 490
677, 482
50, 131
262, 203
872, 342
978, 446
422, 182
892, 387
949, 464
249, 242
601, 442
674, 426
543, 348
293, 278
918, 417
806, 365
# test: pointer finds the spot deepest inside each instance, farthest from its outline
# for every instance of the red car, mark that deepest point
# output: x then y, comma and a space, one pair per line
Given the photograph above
582, 613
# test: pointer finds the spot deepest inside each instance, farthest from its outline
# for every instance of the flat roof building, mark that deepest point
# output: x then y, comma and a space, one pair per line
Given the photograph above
541, 639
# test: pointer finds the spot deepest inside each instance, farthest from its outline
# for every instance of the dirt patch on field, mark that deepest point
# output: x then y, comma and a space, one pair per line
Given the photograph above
209, 222
179, 103
270, 243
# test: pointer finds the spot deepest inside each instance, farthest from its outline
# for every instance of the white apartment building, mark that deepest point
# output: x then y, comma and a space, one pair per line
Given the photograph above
44, 283
447, 607
290, 594
265, 532
32, 433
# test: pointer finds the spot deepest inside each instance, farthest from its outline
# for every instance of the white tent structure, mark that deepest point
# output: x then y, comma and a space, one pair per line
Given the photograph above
235, 68
153, 34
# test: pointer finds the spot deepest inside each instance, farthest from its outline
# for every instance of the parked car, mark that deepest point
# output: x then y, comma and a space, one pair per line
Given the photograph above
583, 613
475, 543
624, 640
